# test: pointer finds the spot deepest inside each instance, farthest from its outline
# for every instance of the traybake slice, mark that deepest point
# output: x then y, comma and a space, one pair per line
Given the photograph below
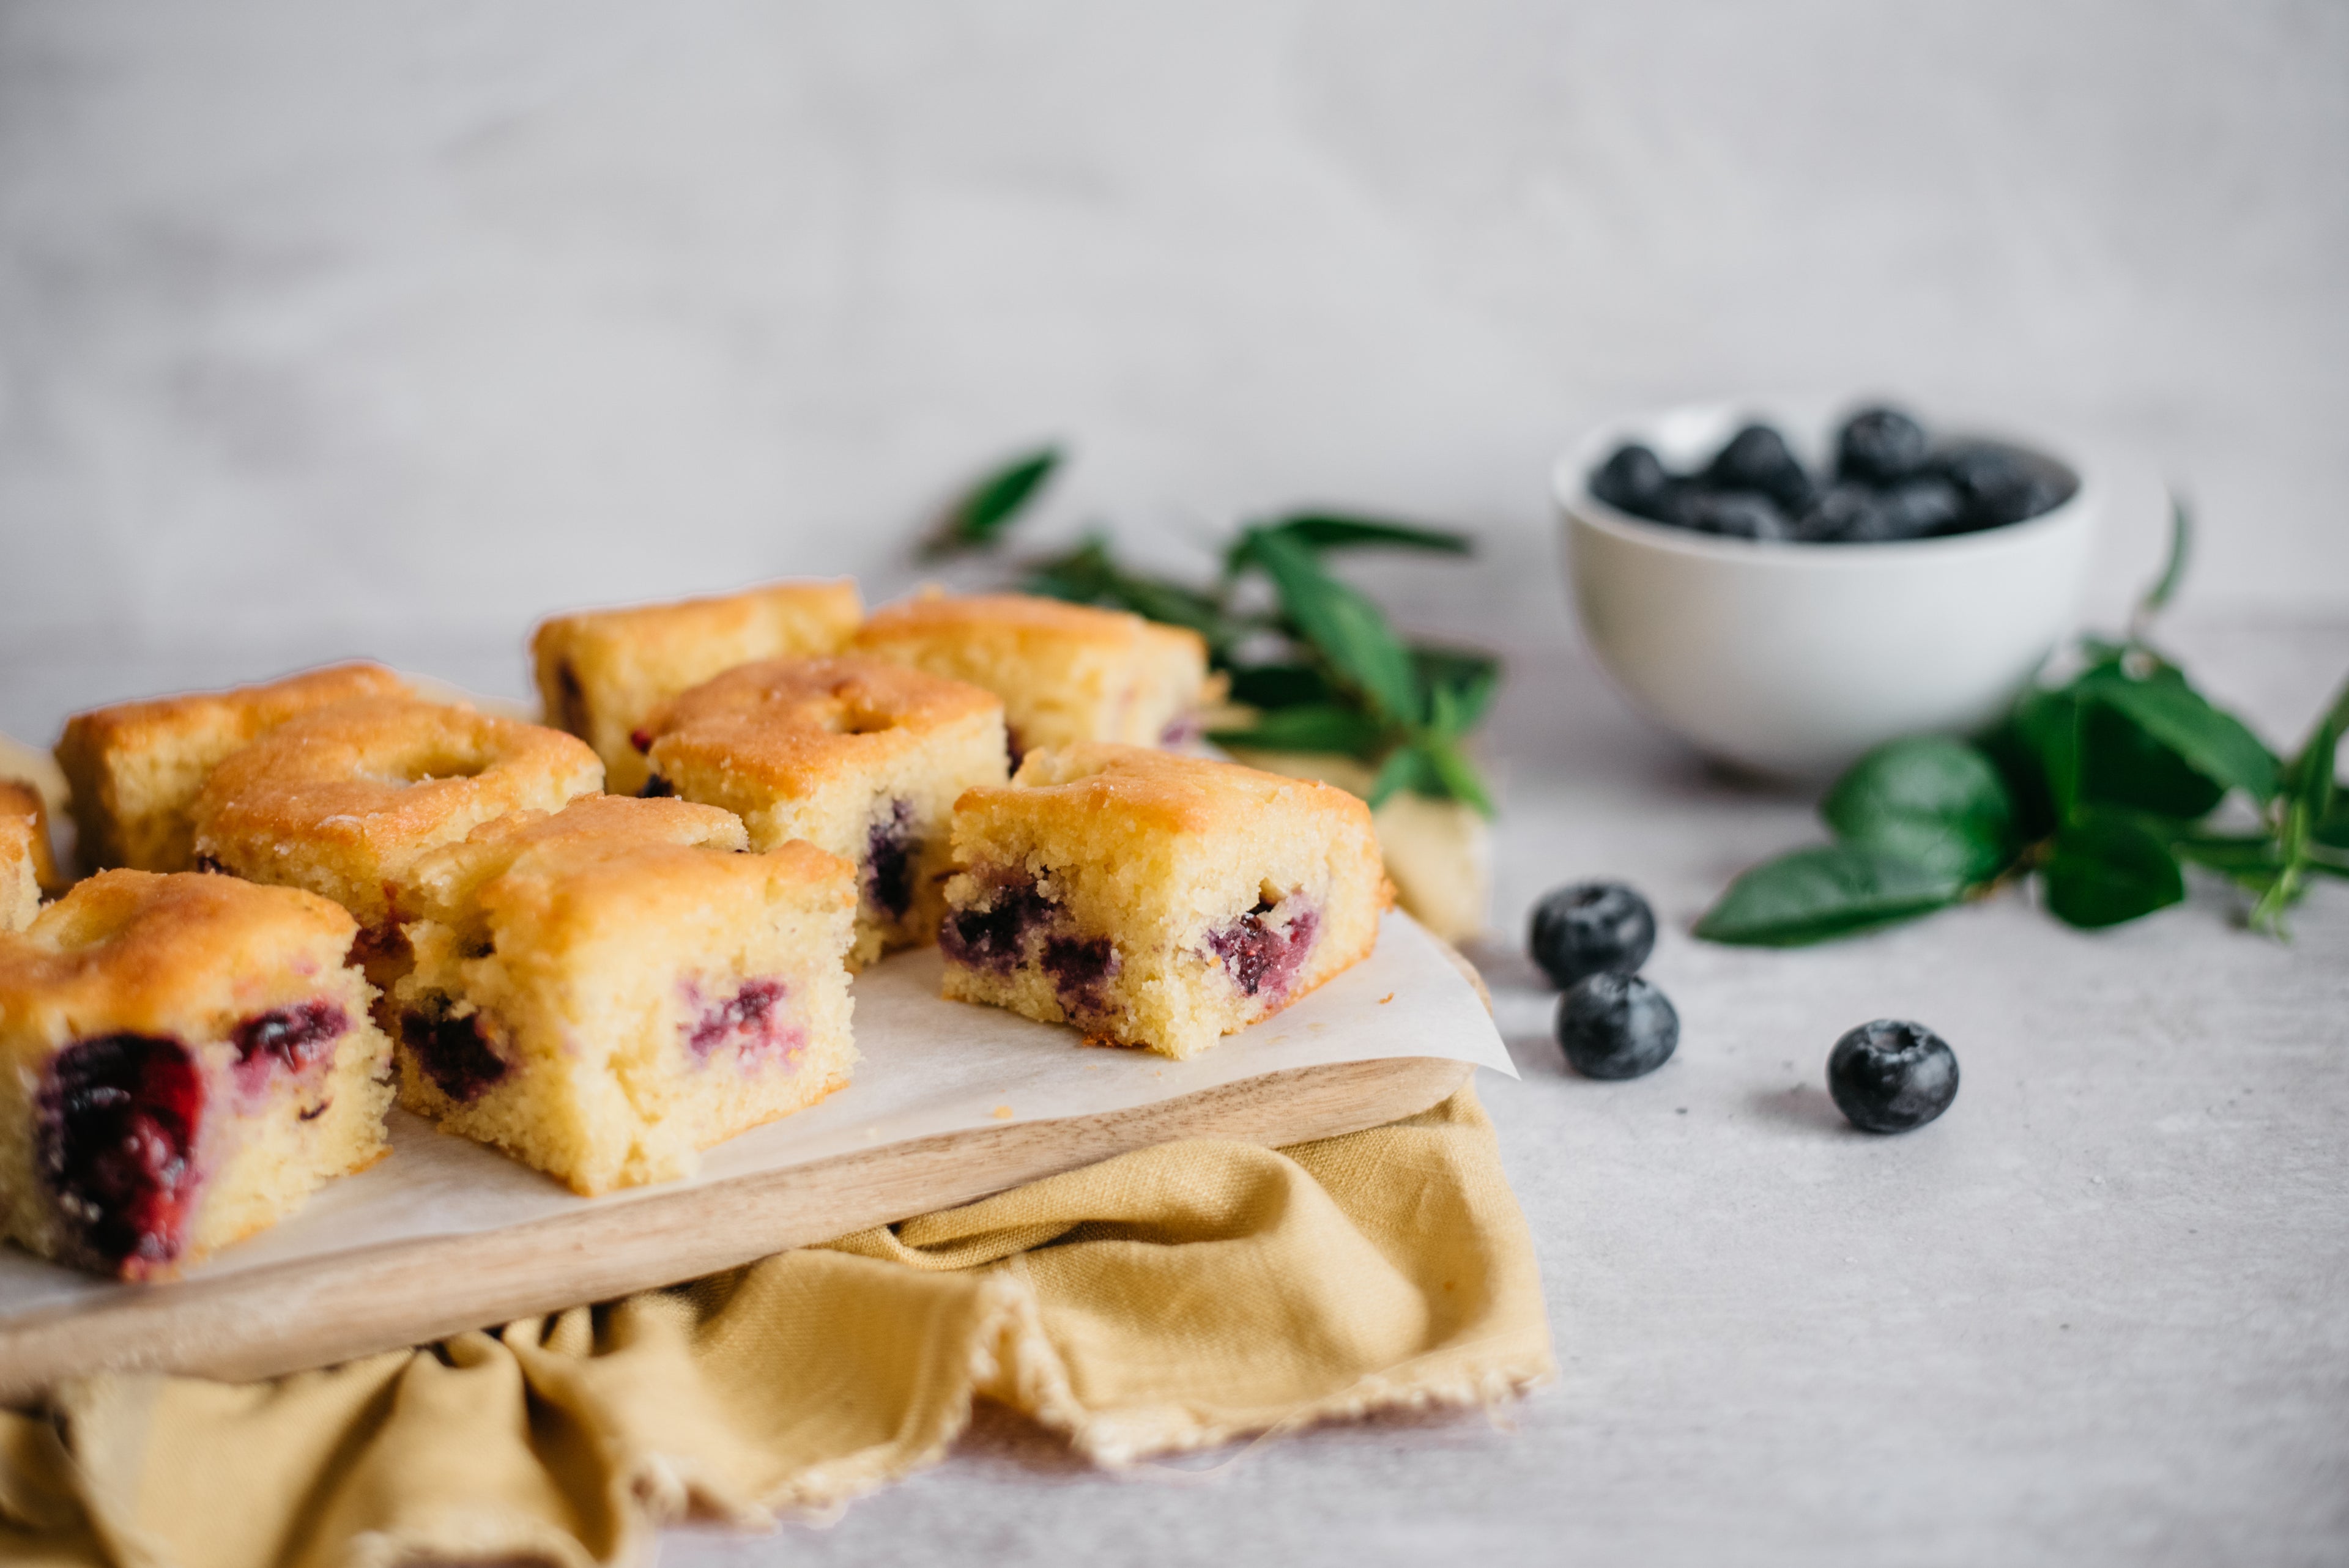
186, 1059
606, 991
137, 768
1066, 673
857, 756
1154, 899
345, 801
26, 869
601, 672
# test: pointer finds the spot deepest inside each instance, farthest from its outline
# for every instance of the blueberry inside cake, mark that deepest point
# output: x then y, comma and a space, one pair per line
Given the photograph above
189, 1057
856, 756
604, 991
1157, 900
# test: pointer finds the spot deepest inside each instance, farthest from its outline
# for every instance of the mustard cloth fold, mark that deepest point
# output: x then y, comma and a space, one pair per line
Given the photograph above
1171, 1298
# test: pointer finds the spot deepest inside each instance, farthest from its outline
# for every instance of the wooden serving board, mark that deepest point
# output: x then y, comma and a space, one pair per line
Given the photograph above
260, 1323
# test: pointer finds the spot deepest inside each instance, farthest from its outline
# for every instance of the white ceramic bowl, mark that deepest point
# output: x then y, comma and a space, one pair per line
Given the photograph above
1793, 659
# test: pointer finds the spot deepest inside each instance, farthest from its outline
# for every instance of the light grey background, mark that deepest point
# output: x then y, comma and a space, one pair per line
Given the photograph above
338, 328
389, 327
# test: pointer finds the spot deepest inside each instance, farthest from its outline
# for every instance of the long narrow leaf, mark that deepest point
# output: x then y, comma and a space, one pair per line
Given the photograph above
1343, 626
990, 506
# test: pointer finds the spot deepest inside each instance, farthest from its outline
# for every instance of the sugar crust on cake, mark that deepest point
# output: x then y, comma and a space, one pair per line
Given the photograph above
601, 672
858, 756
1066, 673
136, 768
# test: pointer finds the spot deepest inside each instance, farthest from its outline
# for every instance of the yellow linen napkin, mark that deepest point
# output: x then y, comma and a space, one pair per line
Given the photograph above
1171, 1298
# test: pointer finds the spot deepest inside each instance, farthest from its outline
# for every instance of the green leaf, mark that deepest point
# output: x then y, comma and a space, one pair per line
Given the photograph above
991, 505
1334, 530
2313, 781
1465, 680
1323, 726
1456, 776
2211, 741
2173, 571
1342, 626
2231, 854
1089, 574
2047, 725
2121, 765
1280, 685
1833, 890
1938, 803
1406, 767
2104, 870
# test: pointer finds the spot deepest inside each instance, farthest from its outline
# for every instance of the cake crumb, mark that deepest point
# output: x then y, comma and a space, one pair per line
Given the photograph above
1387, 998
1002, 1113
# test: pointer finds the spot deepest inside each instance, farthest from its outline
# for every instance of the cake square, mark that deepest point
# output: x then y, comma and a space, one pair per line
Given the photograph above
27, 868
601, 672
186, 1059
1154, 899
345, 801
606, 991
857, 756
1066, 673
137, 768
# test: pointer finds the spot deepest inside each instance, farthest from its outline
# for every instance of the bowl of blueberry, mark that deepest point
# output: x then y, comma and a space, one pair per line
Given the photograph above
1785, 586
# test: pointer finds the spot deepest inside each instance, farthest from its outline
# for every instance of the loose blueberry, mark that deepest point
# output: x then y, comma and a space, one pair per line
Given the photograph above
1633, 480
1881, 446
1617, 1027
1592, 928
1737, 514
1998, 486
1758, 458
1891, 1075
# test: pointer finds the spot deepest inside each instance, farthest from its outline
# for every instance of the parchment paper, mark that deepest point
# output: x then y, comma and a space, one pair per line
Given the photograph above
929, 1066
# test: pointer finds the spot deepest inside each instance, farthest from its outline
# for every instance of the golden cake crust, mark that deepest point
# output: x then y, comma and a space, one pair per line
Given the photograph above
790, 723
601, 672
348, 797
448, 882
141, 952
1169, 789
136, 767
1066, 673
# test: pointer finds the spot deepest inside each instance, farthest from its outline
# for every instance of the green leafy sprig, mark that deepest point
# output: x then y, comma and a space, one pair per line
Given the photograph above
2102, 786
1323, 670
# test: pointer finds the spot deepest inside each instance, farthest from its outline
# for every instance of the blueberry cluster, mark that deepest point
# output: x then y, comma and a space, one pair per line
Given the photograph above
1591, 938
1891, 482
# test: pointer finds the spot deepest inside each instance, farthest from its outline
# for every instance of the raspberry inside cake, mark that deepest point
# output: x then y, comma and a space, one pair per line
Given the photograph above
857, 756
1066, 673
137, 768
1155, 900
601, 672
189, 1057
606, 991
